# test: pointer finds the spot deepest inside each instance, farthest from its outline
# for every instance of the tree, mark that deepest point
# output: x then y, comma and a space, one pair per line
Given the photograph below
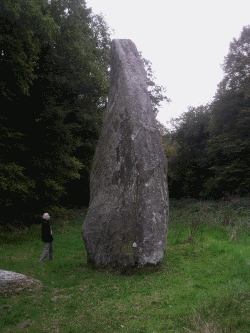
236, 64
229, 145
79, 88
20, 43
54, 107
157, 93
20, 47
186, 149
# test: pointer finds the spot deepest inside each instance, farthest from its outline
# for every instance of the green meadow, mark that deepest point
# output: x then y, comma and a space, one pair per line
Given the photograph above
203, 284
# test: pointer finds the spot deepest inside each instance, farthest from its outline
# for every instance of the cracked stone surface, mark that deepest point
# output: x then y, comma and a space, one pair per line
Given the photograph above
126, 223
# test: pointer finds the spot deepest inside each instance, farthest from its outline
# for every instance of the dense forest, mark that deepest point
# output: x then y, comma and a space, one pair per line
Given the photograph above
54, 79
208, 146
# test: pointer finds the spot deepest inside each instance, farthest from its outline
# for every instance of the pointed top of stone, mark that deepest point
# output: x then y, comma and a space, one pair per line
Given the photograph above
125, 51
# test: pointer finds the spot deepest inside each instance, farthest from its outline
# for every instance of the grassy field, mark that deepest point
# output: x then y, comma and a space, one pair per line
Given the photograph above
203, 284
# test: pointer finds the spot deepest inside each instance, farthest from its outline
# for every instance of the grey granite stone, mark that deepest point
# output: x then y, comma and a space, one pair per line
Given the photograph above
15, 282
126, 223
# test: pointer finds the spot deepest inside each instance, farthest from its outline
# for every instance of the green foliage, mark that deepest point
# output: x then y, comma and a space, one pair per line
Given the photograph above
237, 63
21, 43
228, 147
54, 65
185, 147
157, 93
208, 147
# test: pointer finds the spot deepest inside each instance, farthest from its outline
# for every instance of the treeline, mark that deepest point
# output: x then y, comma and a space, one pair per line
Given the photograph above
208, 147
54, 80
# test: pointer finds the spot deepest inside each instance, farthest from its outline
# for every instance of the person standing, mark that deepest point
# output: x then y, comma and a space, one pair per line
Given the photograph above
47, 238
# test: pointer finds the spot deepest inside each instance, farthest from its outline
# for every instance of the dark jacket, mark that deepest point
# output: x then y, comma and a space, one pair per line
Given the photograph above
46, 232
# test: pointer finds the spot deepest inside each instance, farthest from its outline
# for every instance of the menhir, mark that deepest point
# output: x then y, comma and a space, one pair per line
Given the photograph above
126, 223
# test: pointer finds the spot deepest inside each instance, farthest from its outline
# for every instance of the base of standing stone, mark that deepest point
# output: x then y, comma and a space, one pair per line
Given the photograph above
125, 269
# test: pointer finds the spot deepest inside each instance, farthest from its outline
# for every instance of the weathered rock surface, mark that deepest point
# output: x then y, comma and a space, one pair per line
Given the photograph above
15, 282
126, 223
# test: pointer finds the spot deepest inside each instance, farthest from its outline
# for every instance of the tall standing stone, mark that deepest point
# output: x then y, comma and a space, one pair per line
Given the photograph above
126, 223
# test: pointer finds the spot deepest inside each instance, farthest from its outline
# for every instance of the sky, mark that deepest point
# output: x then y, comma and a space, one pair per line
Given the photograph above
186, 41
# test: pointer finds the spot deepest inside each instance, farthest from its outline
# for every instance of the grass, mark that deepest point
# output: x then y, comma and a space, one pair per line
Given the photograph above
203, 284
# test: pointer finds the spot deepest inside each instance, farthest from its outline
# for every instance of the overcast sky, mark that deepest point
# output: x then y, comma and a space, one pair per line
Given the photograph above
186, 41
